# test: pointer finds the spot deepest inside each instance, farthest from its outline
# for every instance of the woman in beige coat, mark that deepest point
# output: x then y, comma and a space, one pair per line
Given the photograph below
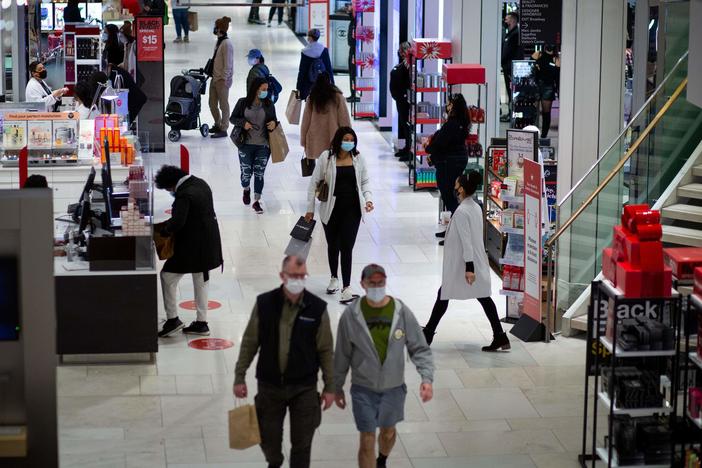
325, 113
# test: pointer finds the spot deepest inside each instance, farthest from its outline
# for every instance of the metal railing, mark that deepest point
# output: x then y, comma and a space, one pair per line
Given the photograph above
550, 244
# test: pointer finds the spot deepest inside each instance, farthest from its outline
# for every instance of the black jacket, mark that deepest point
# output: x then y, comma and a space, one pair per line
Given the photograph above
448, 142
113, 54
304, 86
303, 359
197, 243
511, 49
399, 82
136, 98
238, 119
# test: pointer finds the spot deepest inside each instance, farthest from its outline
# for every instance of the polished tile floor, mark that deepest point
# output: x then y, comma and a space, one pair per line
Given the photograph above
516, 409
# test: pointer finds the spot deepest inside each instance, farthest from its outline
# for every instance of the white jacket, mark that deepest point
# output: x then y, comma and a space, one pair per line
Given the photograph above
35, 92
464, 243
322, 172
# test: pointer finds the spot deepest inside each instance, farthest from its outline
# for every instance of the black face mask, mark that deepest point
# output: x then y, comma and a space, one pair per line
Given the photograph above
42, 74
215, 31
457, 193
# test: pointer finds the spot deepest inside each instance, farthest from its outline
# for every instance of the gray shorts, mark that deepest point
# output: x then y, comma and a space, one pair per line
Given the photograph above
372, 410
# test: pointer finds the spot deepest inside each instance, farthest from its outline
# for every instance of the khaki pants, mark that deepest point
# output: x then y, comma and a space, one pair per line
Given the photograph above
169, 287
219, 100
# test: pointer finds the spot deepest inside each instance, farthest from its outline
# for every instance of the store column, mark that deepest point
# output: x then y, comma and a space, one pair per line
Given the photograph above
694, 91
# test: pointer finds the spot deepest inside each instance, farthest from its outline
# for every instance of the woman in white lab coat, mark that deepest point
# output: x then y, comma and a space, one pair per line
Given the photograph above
466, 271
38, 91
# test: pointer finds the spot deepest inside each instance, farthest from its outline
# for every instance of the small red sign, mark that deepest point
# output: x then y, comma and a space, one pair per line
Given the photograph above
210, 344
190, 305
150, 39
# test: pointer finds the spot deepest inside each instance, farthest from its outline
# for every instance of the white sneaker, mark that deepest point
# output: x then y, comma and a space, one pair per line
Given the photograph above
333, 285
347, 295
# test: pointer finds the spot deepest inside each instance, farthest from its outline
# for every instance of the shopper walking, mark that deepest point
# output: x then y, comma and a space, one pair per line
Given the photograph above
254, 17
196, 242
466, 271
113, 51
258, 67
222, 78
371, 339
447, 150
511, 50
289, 329
180, 10
314, 60
343, 170
548, 66
272, 11
255, 114
325, 112
399, 90
126, 38
351, 40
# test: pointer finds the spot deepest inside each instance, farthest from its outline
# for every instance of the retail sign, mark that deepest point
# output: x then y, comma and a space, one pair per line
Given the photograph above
540, 22
532, 239
150, 39
319, 19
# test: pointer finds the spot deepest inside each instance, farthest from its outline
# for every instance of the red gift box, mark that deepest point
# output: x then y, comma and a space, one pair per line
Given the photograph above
427, 49
647, 255
464, 73
630, 211
619, 244
609, 266
635, 282
698, 282
683, 260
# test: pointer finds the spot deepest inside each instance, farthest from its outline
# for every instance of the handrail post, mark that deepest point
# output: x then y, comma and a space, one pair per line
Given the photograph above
549, 285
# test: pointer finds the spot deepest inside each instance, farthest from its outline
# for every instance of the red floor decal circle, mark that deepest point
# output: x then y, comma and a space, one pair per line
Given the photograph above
210, 344
190, 305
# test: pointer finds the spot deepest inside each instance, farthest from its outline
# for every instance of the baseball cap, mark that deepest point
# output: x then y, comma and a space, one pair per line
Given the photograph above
371, 270
314, 34
254, 53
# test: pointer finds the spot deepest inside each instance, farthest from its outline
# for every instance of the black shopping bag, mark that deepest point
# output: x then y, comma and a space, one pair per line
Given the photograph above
307, 166
303, 230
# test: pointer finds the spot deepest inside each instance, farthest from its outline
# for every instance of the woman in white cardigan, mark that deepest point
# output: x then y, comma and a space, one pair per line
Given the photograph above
344, 170
466, 271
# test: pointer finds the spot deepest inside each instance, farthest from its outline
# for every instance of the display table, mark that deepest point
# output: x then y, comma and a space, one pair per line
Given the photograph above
101, 312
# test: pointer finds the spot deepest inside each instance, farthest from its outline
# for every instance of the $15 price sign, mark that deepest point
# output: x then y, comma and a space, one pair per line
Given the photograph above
150, 39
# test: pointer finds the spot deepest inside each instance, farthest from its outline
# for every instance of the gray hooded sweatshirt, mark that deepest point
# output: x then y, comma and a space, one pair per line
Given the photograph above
355, 349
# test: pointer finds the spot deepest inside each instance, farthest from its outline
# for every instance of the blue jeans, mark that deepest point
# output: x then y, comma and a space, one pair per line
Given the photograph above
253, 160
180, 16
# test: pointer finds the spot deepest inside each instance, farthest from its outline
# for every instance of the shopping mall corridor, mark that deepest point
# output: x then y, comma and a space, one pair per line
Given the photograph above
516, 409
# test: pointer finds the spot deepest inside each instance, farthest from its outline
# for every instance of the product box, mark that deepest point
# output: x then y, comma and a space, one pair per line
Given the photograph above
86, 139
427, 49
507, 218
683, 260
14, 134
519, 219
65, 133
510, 185
464, 73
495, 188
634, 282
609, 266
39, 134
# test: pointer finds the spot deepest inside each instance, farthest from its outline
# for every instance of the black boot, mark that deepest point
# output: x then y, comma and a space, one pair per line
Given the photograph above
428, 335
498, 342
545, 123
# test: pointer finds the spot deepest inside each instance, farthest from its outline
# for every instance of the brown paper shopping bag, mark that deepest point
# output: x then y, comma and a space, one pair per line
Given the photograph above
243, 427
279, 145
294, 109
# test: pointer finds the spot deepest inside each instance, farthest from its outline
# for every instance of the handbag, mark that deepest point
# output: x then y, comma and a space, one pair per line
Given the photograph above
278, 144
476, 114
192, 20
121, 104
238, 136
322, 189
243, 427
294, 109
164, 245
307, 166
303, 230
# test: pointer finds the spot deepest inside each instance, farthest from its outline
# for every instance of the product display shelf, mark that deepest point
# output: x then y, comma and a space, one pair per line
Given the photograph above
692, 378
366, 82
666, 310
420, 174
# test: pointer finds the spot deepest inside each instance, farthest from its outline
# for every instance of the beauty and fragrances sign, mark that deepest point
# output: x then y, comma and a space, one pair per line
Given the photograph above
150, 39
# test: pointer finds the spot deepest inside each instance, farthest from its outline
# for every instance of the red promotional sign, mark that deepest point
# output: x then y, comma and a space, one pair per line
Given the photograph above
532, 239
210, 344
150, 39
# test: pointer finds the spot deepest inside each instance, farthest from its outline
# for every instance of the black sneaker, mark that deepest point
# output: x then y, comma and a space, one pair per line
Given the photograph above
441, 234
170, 327
257, 207
247, 197
214, 129
218, 134
197, 328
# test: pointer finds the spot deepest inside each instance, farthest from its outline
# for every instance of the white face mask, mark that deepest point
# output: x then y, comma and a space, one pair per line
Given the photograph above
122, 38
375, 294
295, 286
103, 36
253, 61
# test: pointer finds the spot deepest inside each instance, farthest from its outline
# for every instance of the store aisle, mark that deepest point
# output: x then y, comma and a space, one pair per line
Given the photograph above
517, 409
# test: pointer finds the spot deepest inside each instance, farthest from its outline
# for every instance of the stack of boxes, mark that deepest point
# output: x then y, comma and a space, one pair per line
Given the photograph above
138, 185
634, 263
133, 223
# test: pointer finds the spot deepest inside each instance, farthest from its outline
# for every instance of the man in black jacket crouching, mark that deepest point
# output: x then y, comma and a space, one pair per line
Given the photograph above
197, 246
289, 328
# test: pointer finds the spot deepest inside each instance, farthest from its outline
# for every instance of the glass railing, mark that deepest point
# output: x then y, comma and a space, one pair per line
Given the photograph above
636, 168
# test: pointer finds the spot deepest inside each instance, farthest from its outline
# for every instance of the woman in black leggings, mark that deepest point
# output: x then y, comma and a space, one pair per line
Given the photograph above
344, 171
466, 271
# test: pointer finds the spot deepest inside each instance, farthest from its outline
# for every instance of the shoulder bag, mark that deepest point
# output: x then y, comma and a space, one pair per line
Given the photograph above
322, 185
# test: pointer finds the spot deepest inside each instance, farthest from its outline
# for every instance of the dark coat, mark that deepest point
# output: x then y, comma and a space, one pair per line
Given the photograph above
304, 86
71, 14
448, 141
197, 244
399, 82
238, 119
511, 49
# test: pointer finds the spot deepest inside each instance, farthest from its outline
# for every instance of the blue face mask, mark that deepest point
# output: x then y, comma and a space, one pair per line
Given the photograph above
348, 146
262, 94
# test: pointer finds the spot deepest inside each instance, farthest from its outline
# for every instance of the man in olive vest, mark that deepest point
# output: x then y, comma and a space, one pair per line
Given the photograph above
289, 329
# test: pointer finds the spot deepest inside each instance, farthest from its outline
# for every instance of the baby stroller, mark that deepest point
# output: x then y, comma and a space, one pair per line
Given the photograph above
183, 109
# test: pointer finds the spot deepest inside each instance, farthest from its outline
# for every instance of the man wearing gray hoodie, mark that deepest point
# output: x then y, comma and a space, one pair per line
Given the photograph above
371, 339
314, 61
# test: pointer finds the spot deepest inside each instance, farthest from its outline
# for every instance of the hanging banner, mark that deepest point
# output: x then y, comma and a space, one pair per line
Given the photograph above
149, 39
532, 239
319, 19
540, 22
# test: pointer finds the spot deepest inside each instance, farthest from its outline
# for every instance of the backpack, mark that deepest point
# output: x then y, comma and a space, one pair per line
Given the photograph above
316, 68
274, 88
